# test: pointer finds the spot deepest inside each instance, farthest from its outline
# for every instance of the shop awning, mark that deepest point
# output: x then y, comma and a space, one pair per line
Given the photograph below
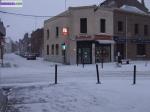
106, 41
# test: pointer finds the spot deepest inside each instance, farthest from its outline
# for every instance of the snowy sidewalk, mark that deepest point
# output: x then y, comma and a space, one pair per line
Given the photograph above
111, 96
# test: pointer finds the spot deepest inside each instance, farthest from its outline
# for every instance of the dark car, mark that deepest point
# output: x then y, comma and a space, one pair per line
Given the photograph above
31, 57
37, 54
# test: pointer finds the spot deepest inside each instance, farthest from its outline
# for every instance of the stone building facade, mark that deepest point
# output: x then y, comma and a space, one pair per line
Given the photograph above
133, 40
83, 36
92, 34
37, 38
25, 44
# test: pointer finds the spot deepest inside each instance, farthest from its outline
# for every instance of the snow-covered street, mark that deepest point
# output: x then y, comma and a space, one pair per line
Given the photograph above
32, 88
35, 71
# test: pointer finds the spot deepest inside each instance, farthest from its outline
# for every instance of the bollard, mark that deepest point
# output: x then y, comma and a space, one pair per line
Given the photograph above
102, 63
56, 74
98, 81
134, 75
83, 63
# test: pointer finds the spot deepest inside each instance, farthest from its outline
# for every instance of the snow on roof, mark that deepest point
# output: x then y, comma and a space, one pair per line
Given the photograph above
131, 9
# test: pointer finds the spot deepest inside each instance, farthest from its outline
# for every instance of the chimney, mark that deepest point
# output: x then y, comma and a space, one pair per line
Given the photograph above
143, 2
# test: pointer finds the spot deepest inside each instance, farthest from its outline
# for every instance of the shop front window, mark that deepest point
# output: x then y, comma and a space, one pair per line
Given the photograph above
141, 50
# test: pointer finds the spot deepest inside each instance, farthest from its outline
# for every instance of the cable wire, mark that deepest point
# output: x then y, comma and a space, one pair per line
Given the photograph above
27, 15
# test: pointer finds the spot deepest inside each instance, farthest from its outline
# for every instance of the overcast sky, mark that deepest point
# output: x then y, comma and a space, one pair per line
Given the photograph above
20, 25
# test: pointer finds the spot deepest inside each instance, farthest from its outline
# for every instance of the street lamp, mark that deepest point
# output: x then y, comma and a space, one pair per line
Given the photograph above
63, 45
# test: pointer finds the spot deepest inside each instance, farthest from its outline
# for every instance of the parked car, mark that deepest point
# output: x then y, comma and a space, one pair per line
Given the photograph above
25, 55
31, 57
37, 54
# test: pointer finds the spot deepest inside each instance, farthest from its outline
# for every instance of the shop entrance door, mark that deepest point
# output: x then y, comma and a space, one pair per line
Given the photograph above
84, 52
84, 55
102, 52
120, 48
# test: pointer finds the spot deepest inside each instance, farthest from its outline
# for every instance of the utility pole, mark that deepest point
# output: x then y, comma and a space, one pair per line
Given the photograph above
65, 4
126, 37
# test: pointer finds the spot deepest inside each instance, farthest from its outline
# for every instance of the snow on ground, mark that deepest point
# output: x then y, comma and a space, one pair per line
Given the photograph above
29, 71
113, 96
33, 89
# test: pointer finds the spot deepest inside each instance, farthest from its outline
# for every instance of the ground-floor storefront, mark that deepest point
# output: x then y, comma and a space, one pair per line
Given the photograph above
94, 52
102, 48
134, 49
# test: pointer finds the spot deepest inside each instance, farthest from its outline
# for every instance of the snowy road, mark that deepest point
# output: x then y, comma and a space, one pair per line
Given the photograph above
32, 88
31, 71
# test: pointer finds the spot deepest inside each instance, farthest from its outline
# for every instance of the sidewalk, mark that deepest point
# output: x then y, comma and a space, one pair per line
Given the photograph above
3, 101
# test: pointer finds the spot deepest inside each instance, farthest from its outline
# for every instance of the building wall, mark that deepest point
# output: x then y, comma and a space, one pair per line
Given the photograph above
112, 16
148, 53
53, 40
73, 23
93, 24
129, 20
93, 20
37, 38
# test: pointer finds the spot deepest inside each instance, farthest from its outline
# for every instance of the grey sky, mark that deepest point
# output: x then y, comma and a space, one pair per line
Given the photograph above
20, 25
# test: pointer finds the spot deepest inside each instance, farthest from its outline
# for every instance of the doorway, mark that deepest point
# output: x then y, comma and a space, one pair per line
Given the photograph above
84, 52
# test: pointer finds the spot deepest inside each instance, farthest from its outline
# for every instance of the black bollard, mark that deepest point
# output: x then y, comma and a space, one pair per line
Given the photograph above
56, 74
98, 81
134, 75
83, 63
102, 63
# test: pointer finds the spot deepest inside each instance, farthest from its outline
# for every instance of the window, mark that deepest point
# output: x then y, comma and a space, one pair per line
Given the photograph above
83, 25
47, 49
146, 30
47, 34
57, 31
141, 50
57, 49
120, 26
52, 49
136, 29
102, 25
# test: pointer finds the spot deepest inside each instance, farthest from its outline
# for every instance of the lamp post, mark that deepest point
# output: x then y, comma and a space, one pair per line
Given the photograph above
65, 4
64, 51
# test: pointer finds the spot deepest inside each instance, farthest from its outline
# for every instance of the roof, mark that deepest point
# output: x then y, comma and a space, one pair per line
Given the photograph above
120, 3
132, 9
